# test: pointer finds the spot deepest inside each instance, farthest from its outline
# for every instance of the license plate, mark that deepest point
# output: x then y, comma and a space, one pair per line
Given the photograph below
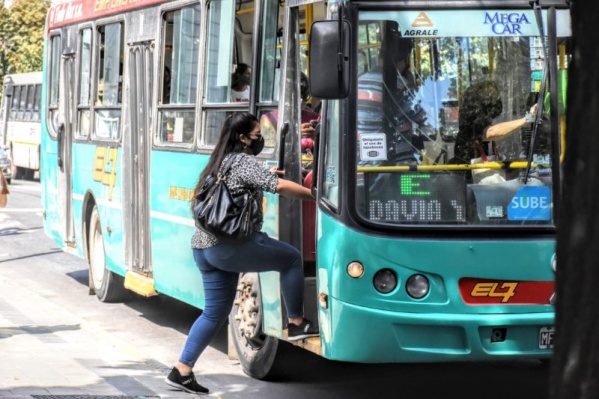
546, 337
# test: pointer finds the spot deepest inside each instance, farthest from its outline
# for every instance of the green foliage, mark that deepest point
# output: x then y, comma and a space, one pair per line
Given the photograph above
22, 27
26, 20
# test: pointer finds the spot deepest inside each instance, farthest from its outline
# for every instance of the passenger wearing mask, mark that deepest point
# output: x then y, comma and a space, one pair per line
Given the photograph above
221, 263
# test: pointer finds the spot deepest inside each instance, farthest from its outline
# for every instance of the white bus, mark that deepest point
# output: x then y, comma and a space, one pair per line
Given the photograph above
20, 125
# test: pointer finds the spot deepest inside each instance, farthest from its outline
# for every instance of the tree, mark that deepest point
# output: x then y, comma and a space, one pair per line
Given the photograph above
26, 24
575, 364
5, 35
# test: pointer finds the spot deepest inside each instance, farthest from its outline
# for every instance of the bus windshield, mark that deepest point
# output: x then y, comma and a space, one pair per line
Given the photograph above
444, 121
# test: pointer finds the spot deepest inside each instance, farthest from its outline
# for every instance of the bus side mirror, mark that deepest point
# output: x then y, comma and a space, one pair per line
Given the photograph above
329, 60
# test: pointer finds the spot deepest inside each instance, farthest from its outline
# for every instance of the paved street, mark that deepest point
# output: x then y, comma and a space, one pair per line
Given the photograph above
49, 350
56, 341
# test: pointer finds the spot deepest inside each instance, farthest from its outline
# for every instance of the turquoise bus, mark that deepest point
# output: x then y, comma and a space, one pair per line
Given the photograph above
412, 251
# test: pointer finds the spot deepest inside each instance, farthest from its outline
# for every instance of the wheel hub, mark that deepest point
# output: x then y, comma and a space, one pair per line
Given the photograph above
249, 314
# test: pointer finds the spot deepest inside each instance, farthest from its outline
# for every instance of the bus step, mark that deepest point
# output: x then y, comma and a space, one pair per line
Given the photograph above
140, 284
311, 344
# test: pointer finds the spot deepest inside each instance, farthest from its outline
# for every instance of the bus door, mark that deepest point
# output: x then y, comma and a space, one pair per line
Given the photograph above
65, 145
136, 155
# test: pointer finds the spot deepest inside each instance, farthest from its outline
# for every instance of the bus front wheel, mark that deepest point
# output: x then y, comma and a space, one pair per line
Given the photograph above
256, 350
108, 286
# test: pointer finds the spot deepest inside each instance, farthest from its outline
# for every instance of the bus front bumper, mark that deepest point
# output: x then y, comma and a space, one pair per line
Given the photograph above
359, 334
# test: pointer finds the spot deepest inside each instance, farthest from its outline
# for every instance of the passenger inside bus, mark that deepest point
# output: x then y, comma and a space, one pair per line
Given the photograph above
166, 86
100, 98
477, 130
479, 135
308, 125
310, 119
240, 83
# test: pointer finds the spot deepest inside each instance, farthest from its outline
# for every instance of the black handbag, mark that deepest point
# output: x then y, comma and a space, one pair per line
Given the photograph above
226, 216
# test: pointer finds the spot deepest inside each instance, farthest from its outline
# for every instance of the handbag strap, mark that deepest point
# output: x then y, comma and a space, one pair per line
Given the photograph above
227, 165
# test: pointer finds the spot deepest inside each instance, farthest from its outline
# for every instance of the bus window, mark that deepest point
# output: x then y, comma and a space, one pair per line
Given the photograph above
22, 103
110, 81
271, 55
223, 46
53, 82
37, 102
369, 45
29, 105
14, 108
180, 30
219, 58
85, 67
270, 74
214, 123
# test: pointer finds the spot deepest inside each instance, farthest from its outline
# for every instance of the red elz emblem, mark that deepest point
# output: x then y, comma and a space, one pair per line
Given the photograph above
492, 292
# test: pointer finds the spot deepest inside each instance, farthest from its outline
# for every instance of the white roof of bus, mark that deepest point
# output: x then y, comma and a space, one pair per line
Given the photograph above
24, 78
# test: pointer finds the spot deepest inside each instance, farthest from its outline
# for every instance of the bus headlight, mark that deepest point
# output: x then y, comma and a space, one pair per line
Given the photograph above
355, 269
385, 281
417, 286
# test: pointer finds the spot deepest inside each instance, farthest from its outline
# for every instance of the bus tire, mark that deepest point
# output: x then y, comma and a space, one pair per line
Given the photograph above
107, 285
28, 174
256, 351
19, 173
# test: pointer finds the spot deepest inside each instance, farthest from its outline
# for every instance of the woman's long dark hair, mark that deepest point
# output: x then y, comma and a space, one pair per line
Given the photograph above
228, 141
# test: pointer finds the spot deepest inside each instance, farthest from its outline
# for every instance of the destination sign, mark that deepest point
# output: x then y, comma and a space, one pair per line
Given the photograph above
413, 197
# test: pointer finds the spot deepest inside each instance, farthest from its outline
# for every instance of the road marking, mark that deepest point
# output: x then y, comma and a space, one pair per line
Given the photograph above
9, 225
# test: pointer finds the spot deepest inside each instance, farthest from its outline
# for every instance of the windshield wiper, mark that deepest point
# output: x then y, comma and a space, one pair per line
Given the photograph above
541, 97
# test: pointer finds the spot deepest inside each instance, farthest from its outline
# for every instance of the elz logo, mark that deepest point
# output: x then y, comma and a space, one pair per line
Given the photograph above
495, 290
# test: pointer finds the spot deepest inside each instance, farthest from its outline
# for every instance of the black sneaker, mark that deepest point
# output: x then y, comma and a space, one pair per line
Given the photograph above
304, 330
185, 383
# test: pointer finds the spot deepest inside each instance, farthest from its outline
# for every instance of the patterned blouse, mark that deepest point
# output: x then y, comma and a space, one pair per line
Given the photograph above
246, 173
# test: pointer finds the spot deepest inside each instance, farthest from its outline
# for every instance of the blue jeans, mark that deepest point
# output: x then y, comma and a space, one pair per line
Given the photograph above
220, 266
